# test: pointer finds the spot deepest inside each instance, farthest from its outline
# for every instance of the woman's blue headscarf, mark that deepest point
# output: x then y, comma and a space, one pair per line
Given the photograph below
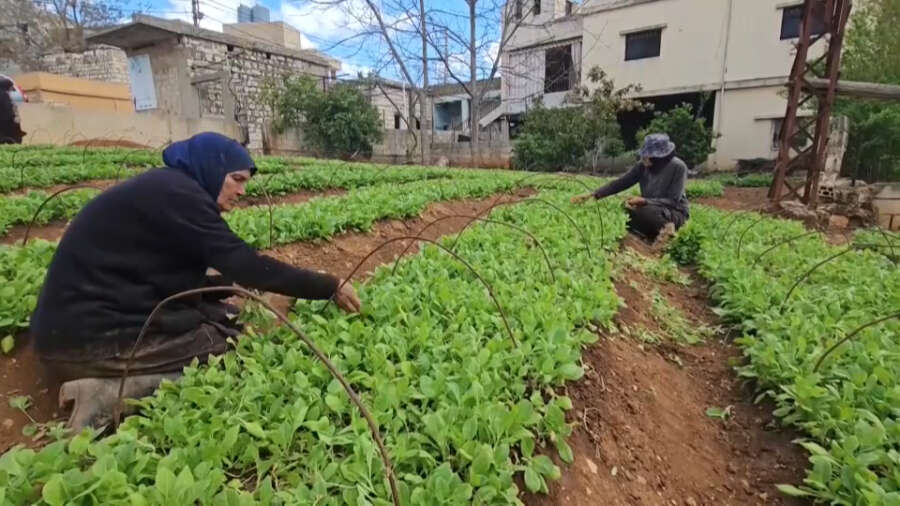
207, 158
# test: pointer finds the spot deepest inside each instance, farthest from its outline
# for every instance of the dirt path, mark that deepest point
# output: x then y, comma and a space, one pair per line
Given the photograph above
735, 198
642, 435
20, 372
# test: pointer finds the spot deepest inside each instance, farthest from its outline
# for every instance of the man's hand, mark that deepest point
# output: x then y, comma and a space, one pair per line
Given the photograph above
347, 299
634, 202
578, 199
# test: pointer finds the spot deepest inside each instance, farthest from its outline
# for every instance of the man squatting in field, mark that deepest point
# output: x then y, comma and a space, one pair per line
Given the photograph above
137, 243
662, 207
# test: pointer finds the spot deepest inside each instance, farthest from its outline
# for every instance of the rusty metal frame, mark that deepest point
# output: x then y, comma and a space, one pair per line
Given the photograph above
798, 131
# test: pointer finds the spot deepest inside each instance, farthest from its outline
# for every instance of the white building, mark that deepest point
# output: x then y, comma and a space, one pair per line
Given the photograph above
731, 58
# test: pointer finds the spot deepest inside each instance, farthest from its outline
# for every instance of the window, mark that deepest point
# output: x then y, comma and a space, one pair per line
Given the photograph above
569, 7
396, 121
537, 7
645, 44
792, 19
776, 133
558, 69
518, 8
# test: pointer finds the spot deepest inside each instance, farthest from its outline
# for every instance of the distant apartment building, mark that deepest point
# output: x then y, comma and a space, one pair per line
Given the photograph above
255, 14
730, 59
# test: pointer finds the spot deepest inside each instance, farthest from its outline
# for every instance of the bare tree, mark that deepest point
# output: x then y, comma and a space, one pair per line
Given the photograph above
467, 45
76, 16
477, 46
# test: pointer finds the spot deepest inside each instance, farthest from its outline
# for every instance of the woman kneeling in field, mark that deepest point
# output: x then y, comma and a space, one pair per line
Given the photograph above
138, 243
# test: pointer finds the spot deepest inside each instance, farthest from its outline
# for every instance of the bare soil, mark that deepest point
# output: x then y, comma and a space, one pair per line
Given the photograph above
110, 143
736, 198
641, 433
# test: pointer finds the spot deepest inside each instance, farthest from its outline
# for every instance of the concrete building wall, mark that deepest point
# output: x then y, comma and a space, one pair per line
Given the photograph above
389, 101
693, 41
98, 63
62, 125
706, 45
748, 119
277, 33
80, 94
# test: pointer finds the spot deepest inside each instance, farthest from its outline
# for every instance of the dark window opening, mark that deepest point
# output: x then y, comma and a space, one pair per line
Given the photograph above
230, 48
268, 56
792, 21
396, 121
518, 9
569, 7
703, 105
644, 44
777, 125
418, 125
537, 7
559, 71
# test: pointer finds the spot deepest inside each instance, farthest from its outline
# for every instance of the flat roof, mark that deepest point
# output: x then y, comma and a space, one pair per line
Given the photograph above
146, 30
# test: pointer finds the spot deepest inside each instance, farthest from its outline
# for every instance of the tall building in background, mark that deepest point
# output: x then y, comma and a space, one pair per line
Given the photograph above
244, 14
259, 14
255, 14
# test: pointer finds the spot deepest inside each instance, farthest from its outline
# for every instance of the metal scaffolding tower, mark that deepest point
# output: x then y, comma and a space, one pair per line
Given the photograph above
804, 140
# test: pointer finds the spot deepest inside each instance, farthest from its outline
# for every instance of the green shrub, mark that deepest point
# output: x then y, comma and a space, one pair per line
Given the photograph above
692, 138
338, 122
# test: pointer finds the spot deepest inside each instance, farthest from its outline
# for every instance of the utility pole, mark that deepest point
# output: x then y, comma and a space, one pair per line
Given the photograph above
195, 10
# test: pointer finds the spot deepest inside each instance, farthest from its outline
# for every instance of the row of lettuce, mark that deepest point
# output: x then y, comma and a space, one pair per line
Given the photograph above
462, 408
22, 268
790, 312
39, 206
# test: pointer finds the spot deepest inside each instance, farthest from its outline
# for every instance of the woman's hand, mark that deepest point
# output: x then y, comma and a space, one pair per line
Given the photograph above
346, 298
634, 202
578, 199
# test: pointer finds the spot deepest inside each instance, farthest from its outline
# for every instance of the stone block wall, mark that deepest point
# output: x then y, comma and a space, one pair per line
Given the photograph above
249, 70
98, 63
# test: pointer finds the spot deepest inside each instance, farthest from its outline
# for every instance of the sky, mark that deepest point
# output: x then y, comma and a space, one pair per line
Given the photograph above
321, 27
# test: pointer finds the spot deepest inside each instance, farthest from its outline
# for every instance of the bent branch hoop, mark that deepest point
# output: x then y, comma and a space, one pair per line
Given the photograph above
373, 427
485, 220
741, 237
571, 178
460, 259
823, 262
44, 203
574, 223
782, 243
850, 336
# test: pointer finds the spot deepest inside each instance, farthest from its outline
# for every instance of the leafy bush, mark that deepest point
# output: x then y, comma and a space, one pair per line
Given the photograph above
692, 138
871, 55
555, 139
339, 122
572, 137
872, 151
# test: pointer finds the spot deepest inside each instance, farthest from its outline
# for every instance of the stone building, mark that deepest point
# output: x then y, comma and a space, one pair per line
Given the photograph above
394, 101
97, 63
183, 70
